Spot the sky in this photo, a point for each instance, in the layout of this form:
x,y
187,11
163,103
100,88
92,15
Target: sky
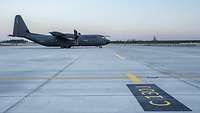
x,y
120,19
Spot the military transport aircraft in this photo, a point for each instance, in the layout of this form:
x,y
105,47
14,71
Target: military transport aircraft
x,y
62,40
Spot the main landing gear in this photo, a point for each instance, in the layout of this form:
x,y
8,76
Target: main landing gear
x,y
65,46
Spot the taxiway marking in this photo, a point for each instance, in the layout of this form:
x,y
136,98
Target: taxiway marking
x,y
134,78
120,57
131,76
64,78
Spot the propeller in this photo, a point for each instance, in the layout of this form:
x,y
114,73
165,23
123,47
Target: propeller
x,y
76,36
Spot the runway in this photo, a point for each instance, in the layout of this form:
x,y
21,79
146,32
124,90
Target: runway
x,y
36,79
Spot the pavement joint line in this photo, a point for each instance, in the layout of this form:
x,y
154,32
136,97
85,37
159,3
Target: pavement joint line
x,y
134,78
120,57
40,86
191,84
68,95
93,78
79,95
62,78
181,79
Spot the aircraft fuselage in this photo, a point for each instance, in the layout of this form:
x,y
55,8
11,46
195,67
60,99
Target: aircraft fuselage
x,y
84,40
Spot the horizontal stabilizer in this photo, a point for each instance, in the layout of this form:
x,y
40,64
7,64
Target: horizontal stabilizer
x,y
12,35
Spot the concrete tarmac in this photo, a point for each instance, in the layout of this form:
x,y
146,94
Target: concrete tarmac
x,y
94,80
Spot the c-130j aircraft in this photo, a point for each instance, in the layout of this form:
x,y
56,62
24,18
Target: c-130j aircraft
x,y
57,38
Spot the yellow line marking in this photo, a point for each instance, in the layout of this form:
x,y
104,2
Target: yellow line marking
x,y
120,57
64,78
133,78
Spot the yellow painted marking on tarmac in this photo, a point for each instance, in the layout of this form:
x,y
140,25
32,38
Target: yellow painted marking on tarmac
x,y
133,78
120,57
64,78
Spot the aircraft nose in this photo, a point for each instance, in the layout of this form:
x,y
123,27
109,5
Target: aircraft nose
x,y
108,41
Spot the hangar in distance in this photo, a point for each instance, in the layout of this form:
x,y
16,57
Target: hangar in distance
x,y
59,39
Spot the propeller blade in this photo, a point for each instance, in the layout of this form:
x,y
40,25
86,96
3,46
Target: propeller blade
x,y
75,32
76,36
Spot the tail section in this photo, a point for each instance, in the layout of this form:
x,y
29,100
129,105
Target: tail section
x,y
20,28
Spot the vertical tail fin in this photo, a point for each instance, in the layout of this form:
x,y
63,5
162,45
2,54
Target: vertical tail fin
x,y
20,28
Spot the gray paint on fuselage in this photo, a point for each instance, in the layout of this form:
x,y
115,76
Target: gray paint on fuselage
x,y
91,40
46,40
84,40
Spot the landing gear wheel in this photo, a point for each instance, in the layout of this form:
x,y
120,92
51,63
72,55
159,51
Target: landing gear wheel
x,y
65,46
100,47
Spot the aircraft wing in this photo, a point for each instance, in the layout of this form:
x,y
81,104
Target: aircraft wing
x,y
60,35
